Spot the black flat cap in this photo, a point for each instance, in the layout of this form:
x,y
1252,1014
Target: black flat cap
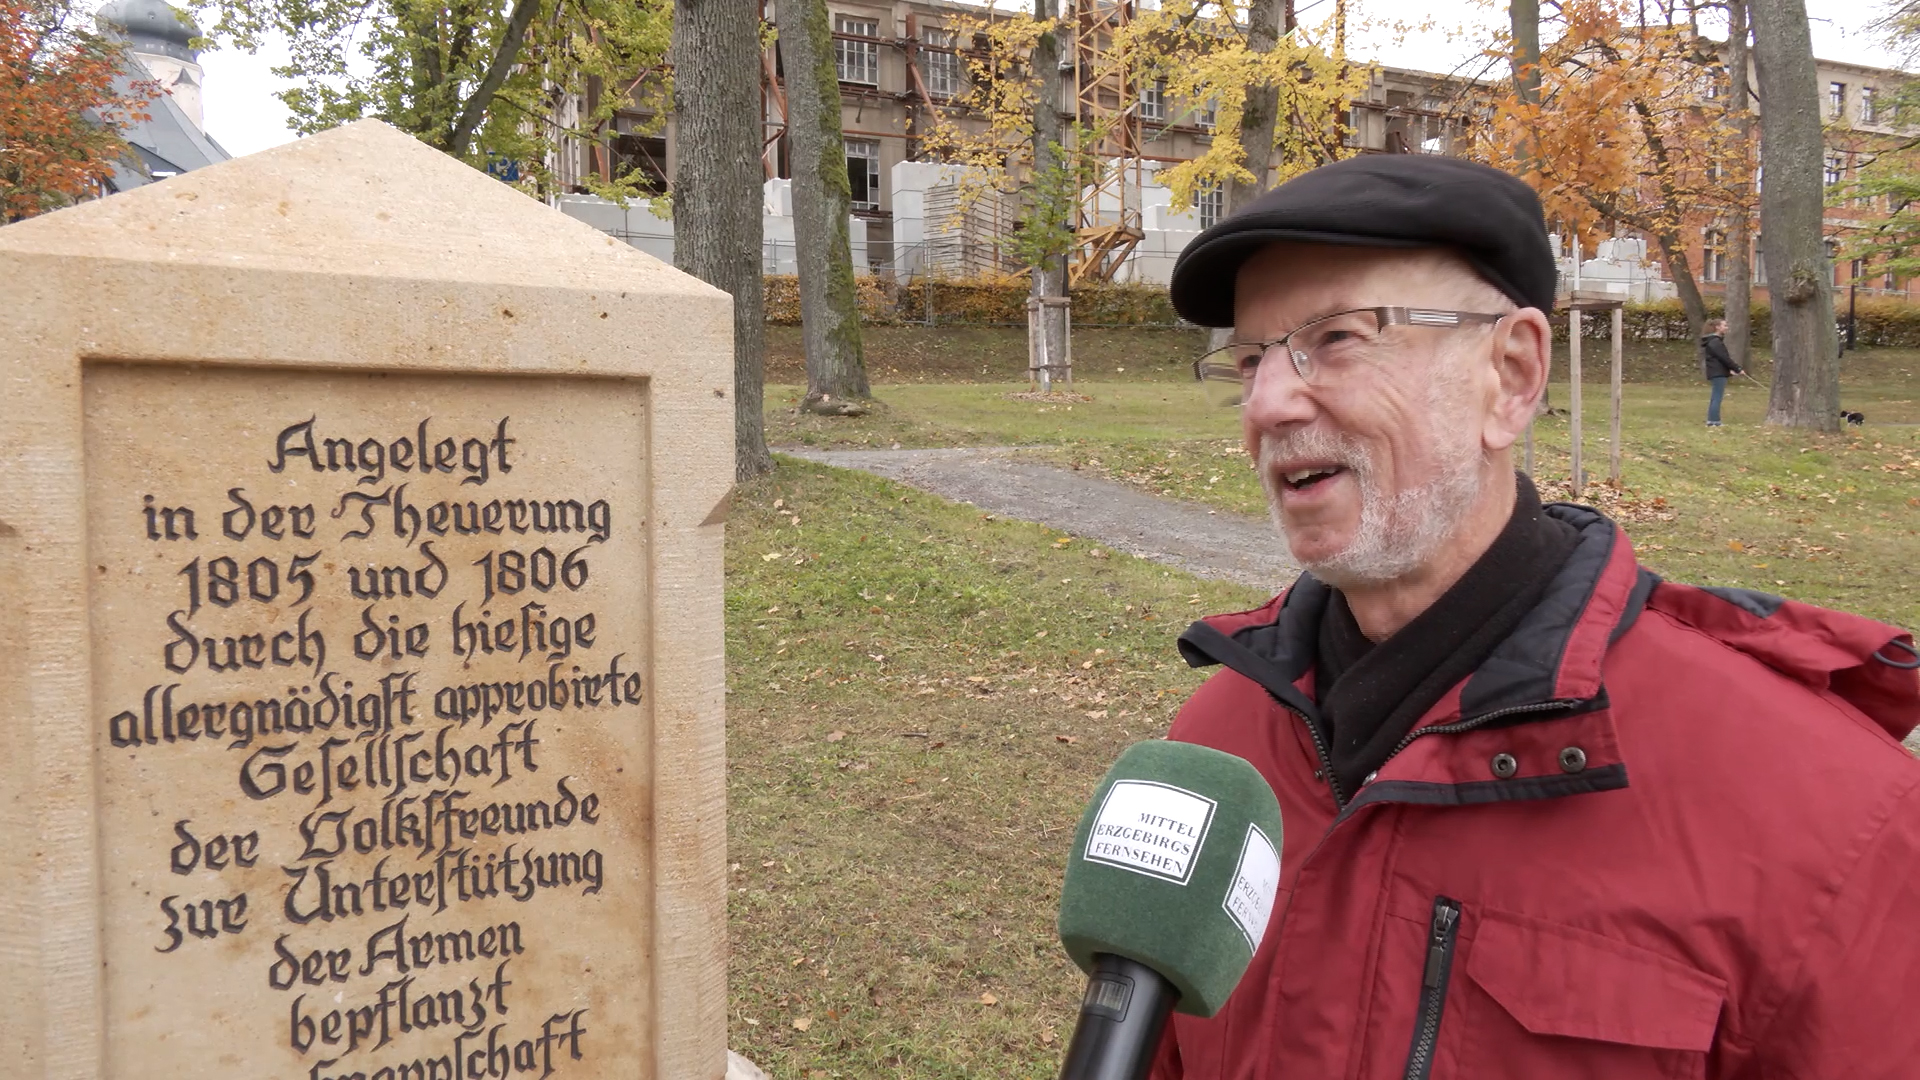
x,y
1380,200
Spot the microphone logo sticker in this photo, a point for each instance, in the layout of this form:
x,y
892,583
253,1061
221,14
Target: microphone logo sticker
x,y
1249,900
1150,828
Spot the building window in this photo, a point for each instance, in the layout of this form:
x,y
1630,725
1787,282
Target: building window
x,y
863,173
942,69
857,61
1890,283
1836,169
1869,108
1210,114
1153,101
1211,202
1760,260
643,154
1833,252
1713,256
1836,99
1857,271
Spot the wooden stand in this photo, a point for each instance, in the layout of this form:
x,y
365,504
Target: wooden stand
x,y
1584,301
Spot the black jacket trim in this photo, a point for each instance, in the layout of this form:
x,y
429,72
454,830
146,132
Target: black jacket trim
x,y
1203,644
1522,671
1525,667
1482,792
1759,604
1643,587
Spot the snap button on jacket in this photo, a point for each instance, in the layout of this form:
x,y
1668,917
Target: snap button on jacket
x,y
1662,832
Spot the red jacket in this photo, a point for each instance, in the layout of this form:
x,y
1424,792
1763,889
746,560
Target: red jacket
x,y
1663,831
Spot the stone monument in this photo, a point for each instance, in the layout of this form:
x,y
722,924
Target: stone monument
x,y
360,606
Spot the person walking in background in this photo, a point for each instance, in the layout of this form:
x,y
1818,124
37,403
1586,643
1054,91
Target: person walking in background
x,y
1716,363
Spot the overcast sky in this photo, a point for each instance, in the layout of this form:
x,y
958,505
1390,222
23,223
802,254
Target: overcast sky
x,y
243,114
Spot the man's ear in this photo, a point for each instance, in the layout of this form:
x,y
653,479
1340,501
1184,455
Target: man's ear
x,y
1522,344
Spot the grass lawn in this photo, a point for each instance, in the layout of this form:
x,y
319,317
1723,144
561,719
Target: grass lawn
x,y
921,697
920,700
1830,519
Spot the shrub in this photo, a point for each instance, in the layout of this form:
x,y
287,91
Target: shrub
x,y
1002,301
878,306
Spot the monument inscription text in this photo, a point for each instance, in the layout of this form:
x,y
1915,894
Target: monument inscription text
x,y
371,689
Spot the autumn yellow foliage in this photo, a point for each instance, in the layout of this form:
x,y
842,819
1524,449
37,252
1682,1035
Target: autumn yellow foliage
x,y
1631,131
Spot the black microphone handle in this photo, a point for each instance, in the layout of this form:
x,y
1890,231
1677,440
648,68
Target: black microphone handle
x,y
1121,1020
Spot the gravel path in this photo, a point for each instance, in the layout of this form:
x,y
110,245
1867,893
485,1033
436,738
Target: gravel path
x,y
1212,544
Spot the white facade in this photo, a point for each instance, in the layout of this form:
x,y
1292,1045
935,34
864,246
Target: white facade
x,y
637,224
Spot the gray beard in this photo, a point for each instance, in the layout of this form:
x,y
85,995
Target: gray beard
x,y
1398,533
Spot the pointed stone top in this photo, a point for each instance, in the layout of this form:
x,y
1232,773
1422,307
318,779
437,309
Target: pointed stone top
x,y
365,199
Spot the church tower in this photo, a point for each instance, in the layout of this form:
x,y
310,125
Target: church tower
x,y
161,37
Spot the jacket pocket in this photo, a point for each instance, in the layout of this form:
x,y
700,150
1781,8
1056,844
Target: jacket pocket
x,y
1542,1000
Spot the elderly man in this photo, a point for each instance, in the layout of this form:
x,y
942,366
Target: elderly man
x,y
1546,815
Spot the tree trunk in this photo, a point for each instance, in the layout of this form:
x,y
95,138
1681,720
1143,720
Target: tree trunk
x,y
822,199
1266,21
1680,272
716,191
1739,289
1049,278
504,58
1524,19
1806,358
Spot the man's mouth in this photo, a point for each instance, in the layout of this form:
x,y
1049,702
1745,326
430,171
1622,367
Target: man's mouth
x,y
1301,479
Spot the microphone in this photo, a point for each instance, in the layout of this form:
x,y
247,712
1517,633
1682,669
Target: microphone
x,y
1168,891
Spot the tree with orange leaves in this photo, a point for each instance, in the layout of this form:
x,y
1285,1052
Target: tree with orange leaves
x,y
1630,126
61,107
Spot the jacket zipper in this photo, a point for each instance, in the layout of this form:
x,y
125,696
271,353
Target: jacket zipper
x,y
1326,755
1441,935
1484,718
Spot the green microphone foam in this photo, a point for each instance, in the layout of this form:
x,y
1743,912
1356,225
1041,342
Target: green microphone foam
x,y
1175,865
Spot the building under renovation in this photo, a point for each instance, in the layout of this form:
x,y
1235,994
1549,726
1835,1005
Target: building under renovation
x,y
902,65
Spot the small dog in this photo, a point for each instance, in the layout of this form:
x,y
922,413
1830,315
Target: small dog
x,y
1854,418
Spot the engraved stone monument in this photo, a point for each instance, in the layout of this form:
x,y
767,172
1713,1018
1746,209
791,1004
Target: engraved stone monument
x,y
360,633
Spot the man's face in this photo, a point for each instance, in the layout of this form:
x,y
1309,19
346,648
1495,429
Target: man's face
x,y
1370,470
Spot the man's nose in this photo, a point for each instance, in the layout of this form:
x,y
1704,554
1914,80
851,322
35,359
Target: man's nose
x,y
1276,396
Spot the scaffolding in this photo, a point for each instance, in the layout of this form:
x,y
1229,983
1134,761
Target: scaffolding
x,y
1107,221
1099,96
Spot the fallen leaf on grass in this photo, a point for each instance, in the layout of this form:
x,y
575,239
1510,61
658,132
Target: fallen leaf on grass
x,y
1047,1037
1735,545
802,1023
1097,714
987,998
1068,739
836,736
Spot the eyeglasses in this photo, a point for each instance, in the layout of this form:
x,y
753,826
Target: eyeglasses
x,y
1320,350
